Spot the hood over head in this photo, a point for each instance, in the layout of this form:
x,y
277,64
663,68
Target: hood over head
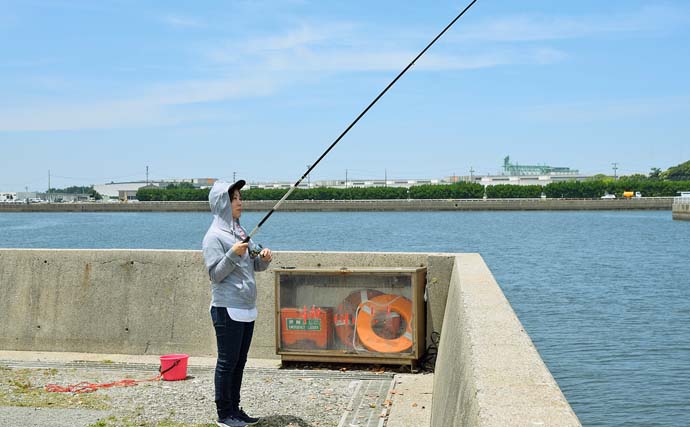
x,y
219,200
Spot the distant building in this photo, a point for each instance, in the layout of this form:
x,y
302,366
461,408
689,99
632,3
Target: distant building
x,y
128,190
26,195
65,197
531,170
527,180
516,174
112,189
8,197
127,195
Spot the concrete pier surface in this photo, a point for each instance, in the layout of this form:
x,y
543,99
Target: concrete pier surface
x,y
146,303
405,400
645,203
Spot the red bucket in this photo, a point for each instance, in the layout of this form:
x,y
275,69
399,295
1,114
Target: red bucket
x,y
174,367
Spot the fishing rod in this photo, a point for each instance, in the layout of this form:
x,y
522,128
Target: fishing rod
x,y
296,184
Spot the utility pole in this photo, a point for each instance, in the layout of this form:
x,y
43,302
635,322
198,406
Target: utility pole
x,y
233,176
615,168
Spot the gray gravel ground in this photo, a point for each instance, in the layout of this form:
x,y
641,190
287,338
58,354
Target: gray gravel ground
x,y
282,397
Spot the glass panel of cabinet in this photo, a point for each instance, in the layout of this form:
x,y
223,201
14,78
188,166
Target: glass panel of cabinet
x,y
352,315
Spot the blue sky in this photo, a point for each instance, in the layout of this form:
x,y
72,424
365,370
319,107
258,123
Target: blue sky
x,y
96,91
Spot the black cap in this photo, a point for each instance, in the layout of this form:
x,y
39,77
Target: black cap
x,y
236,186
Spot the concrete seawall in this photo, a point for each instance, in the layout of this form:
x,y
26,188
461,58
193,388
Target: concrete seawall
x,y
495,374
645,203
681,208
154,302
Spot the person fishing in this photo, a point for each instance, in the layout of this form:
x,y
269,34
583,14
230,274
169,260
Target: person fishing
x,y
231,269
231,259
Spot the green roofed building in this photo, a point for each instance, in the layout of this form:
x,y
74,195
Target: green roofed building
x,y
520,170
516,174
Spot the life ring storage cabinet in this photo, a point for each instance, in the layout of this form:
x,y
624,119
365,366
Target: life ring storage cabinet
x,y
353,315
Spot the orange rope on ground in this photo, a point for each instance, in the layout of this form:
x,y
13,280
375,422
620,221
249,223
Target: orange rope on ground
x,y
87,387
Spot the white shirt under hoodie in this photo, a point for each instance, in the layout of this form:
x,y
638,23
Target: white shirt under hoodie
x,y
232,276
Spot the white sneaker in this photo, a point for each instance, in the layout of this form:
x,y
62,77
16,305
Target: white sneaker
x,y
231,422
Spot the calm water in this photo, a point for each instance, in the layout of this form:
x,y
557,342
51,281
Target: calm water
x,y
604,295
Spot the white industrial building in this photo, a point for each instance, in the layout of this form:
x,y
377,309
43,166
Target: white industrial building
x,y
8,197
128,190
528,179
112,190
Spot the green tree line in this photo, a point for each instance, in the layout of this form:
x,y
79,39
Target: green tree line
x,y
594,189
568,189
321,193
149,194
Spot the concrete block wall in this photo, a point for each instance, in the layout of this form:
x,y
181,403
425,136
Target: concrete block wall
x,y
644,203
104,301
681,208
488,372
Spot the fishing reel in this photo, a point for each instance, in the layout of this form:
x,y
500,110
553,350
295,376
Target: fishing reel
x,y
254,249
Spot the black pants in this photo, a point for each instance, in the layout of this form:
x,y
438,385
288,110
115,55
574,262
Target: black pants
x,y
233,339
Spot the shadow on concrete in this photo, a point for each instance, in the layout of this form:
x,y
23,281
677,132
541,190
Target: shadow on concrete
x,y
345,367
282,421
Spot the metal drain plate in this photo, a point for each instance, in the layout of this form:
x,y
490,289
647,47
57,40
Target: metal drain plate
x,y
367,407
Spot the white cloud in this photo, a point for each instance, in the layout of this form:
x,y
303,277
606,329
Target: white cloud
x,y
274,58
493,58
295,39
526,27
182,21
271,62
304,37
157,107
197,91
73,117
340,48
396,61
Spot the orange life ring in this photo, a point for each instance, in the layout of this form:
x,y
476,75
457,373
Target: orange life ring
x,y
365,320
344,316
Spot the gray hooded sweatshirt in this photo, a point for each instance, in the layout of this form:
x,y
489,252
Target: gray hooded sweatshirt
x,y
232,276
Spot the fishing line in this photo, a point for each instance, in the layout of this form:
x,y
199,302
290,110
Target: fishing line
x,y
296,184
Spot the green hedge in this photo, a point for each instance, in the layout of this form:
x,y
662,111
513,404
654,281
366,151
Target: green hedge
x,y
568,189
461,190
325,193
508,191
596,189
172,194
186,194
